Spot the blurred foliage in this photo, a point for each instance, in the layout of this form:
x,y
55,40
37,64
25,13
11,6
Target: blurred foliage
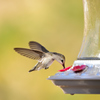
x,y
56,24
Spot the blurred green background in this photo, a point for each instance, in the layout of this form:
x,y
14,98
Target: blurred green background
x,y
56,24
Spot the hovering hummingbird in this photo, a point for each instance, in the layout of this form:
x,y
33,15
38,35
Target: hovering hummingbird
x,y
40,53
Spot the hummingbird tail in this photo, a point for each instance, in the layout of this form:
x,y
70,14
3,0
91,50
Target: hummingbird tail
x,y
36,67
33,69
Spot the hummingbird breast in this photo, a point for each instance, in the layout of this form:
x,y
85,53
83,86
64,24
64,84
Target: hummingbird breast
x,y
46,62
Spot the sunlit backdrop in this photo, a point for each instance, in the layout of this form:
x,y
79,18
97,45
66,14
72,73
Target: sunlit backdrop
x,y
56,24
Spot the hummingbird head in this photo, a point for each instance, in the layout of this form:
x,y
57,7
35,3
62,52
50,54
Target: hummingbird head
x,y
60,58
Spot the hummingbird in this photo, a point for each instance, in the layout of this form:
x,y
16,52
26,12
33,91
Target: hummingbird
x,y
40,53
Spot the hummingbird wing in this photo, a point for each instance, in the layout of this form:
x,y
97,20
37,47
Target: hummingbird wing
x,y
33,54
36,46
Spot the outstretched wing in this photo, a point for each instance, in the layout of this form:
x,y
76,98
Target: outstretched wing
x,y
33,54
36,46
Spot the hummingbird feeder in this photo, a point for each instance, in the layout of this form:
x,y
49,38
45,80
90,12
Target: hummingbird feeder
x,y
84,75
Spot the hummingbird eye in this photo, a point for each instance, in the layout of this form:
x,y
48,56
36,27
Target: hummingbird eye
x,y
62,61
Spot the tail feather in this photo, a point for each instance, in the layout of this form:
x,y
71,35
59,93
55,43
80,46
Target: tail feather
x,y
33,69
36,67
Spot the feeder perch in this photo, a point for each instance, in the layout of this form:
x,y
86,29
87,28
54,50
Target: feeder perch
x,y
87,80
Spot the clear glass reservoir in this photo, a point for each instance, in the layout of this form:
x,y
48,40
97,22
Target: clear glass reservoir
x,y
90,49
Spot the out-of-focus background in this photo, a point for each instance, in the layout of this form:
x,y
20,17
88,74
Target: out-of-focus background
x,y
56,24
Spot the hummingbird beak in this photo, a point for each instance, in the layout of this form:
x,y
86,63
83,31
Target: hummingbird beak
x,y
63,65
